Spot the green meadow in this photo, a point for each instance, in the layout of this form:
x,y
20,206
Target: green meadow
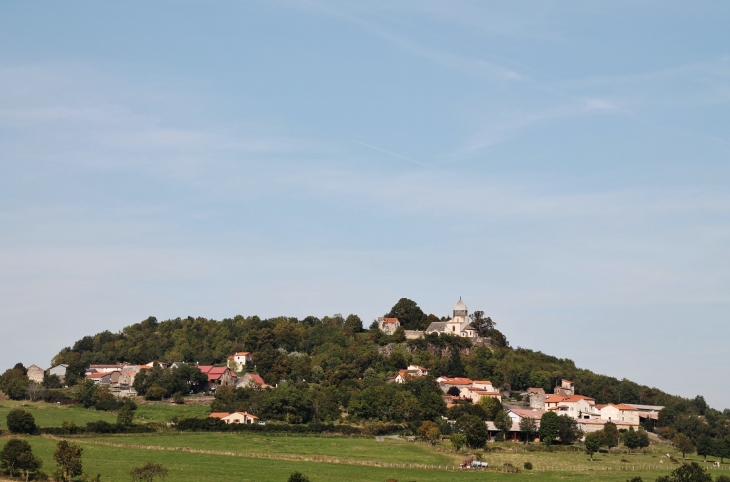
x,y
252,456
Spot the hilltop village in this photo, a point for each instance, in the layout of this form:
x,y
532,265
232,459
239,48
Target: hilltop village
x,y
451,381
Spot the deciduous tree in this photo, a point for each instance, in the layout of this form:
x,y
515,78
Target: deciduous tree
x,y
683,444
593,443
68,459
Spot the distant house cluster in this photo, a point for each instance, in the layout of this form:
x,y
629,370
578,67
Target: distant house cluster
x,y
120,377
459,389
459,325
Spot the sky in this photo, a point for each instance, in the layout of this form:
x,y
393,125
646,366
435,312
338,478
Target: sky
x,y
562,166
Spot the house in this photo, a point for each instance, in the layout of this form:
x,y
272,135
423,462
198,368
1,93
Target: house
x,y
537,398
124,384
459,325
240,359
620,413
517,414
59,371
596,424
388,325
515,433
648,412
127,367
566,388
100,378
480,389
574,406
163,365
459,382
421,370
35,373
218,376
251,380
236,417
103,368
177,364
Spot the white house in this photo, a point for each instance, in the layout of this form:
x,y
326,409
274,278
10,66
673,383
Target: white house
x,y
574,406
459,325
35,373
620,413
236,417
59,371
388,325
251,380
518,414
240,359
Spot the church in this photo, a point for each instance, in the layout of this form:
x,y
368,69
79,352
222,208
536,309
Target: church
x,y
459,325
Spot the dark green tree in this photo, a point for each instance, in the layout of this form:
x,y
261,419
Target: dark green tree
x,y
474,429
549,428
568,430
683,444
482,325
458,440
632,439
528,426
704,446
17,456
125,416
491,405
455,367
610,435
85,393
693,472
353,324
721,448
411,317
20,421
593,443
298,477
503,422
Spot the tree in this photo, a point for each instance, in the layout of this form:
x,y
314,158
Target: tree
x,y
298,477
85,392
721,448
481,325
14,382
491,405
458,441
410,316
643,438
474,429
34,391
155,392
528,426
17,456
68,459
125,416
455,367
503,422
568,430
429,432
20,421
610,435
693,472
704,446
632,440
148,472
399,335
593,443
353,324
549,428
683,444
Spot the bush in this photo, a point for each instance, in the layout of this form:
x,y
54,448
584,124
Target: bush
x,y
527,465
178,398
155,392
20,421
298,477
511,469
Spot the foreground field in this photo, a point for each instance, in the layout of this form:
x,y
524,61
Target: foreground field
x,y
51,415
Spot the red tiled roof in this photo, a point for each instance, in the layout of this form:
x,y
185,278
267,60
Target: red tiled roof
x,y
257,379
456,381
390,320
98,375
218,415
566,398
243,353
625,407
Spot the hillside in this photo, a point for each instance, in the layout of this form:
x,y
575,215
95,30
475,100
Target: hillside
x,y
293,349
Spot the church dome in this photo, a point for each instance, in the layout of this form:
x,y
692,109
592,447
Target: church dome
x,y
460,308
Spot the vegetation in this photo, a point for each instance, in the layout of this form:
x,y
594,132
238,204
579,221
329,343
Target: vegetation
x,y
20,421
149,472
68,460
17,457
592,443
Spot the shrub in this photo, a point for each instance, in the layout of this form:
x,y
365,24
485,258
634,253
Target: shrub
x,y
511,469
178,398
527,465
148,472
298,477
155,392
20,421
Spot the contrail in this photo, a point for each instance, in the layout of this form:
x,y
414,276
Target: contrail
x,y
391,153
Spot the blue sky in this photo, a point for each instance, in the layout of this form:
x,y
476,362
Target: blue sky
x,y
562,166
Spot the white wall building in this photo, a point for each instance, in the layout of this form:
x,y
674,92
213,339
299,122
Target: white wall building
x,y
459,325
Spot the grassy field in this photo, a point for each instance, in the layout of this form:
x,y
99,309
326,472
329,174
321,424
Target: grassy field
x,y
265,457
50,415
114,464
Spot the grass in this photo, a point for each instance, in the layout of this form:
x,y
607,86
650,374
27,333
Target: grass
x,y
51,415
163,413
342,448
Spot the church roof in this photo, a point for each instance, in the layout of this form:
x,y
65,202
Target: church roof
x,y
460,305
437,326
